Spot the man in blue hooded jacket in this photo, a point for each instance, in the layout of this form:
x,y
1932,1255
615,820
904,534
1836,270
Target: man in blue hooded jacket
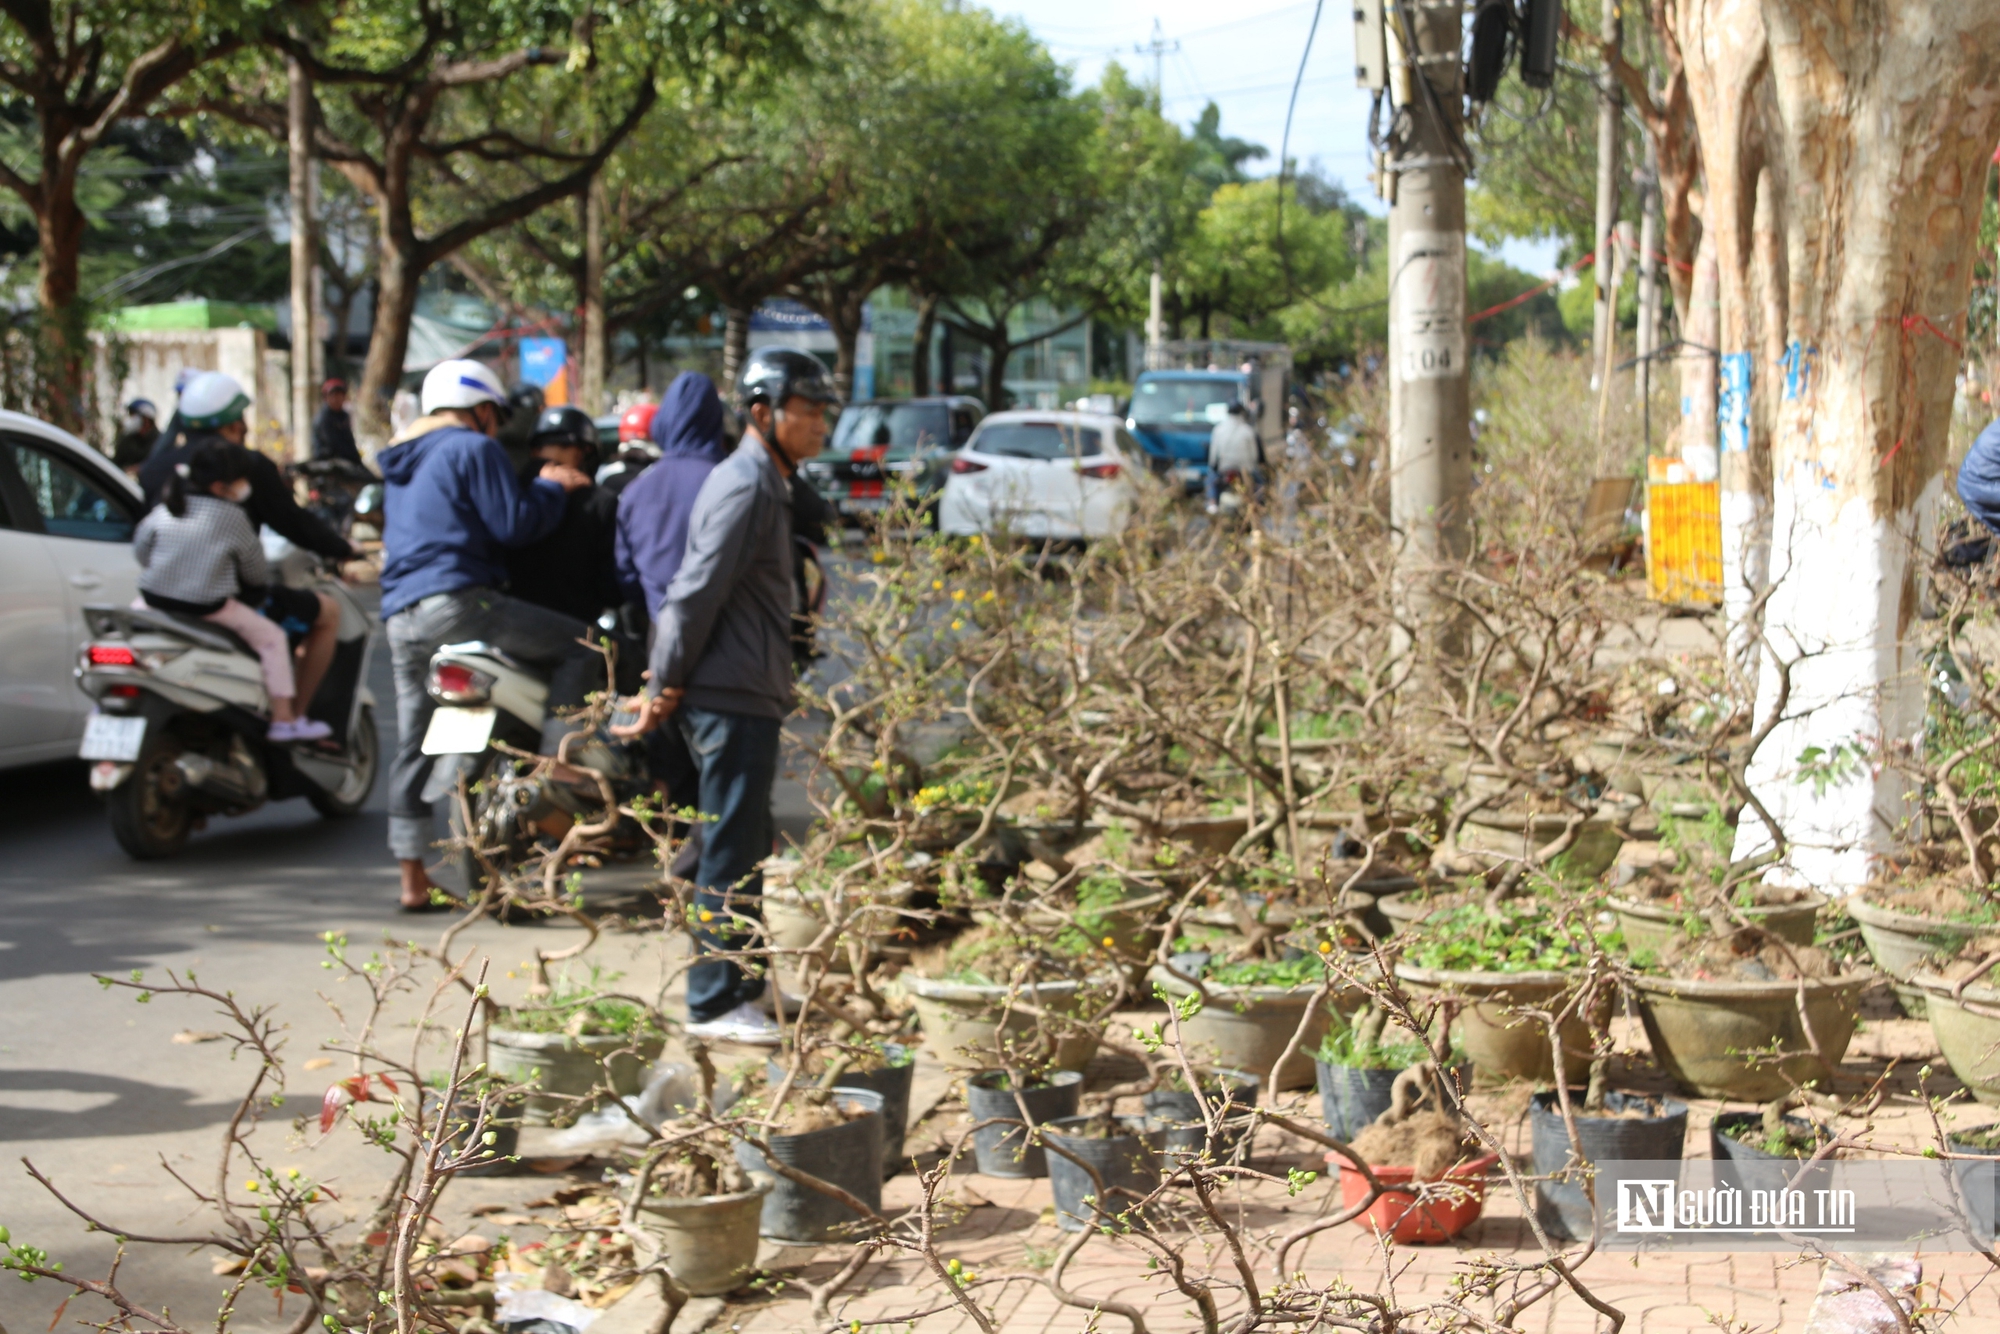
x,y
450,505
653,511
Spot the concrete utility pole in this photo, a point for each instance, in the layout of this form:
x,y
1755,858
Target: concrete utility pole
x,y
305,257
1159,48
1430,449
1155,323
1610,110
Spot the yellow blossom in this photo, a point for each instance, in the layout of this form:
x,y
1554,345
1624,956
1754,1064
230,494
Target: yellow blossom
x,y
1326,947
707,916
987,596
958,595
936,584
958,625
252,1186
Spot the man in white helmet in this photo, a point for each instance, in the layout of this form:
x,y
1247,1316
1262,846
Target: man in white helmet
x,y
451,505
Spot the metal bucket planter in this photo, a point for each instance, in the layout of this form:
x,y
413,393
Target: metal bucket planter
x,y
1563,1207
556,1063
1904,944
1248,1028
1968,1032
1128,1164
961,1020
1176,1113
1009,1151
848,1155
1648,926
710,1242
1503,1045
1700,1030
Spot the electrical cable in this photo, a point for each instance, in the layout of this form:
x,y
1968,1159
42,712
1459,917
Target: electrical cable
x,y
139,276
1284,151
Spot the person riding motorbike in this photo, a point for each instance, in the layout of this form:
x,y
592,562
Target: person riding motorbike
x,y
451,504
211,409
1234,455
572,569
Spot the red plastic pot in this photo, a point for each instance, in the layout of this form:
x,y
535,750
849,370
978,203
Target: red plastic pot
x,y
1400,1216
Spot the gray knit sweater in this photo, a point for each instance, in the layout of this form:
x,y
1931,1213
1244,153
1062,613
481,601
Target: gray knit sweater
x,y
204,557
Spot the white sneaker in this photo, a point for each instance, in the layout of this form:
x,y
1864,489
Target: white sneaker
x,y
300,729
746,1023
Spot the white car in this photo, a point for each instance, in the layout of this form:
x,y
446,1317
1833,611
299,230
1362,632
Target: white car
x,y
66,521
1061,475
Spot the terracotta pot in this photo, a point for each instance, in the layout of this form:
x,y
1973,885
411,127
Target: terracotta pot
x,y
1248,1028
961,1020
1648,926
710,1242
1699,1031
557,1063
1967,1030
1502,1045
1454,1205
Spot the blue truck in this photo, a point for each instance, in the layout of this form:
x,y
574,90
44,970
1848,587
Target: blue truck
x,y
1172,412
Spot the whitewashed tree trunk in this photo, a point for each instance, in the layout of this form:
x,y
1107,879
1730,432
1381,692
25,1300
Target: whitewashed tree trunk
x,y
1701,326
1881,119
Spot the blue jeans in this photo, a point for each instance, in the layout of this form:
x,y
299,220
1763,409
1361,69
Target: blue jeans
x,y
737,754
534,635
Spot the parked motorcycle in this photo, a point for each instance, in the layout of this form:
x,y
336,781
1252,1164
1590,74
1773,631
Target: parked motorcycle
x,y
486,696
179,732
334,489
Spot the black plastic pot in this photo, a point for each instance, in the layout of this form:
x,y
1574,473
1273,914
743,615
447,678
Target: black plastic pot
x,y
848,1155
1350,1098
1748,1168
892,1081
1128,1165
1006,1151
1177,1115
1563,1207
1979,1178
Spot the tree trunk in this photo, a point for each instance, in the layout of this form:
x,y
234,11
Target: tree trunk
x,y
998,352
1726,58
1882,123
590,299
305,252
382,370
1701,325
735,346
920,347
59,228
1610,124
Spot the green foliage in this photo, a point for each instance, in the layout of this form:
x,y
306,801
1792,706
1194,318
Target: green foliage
x,y
1268,973
1344,1045
1521,936
581,1010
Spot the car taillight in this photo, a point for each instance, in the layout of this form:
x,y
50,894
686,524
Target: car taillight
x,y
1099,470
455,683
963,466
112,655
123,692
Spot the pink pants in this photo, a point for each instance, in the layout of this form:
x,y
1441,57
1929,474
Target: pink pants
x,y
268,638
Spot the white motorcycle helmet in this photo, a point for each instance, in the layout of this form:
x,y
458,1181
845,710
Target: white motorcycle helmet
x,y
211,400
462,384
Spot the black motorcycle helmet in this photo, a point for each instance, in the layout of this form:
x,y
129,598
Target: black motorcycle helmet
x,y
775,375
568,426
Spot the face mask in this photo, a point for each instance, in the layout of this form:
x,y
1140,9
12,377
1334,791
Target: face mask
x,y
241,491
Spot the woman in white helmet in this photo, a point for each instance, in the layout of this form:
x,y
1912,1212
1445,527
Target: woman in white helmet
x,y
451,506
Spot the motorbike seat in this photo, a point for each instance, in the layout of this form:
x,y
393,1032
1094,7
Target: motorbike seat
x,y
206,633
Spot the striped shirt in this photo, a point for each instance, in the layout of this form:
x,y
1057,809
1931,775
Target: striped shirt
x,y
203,558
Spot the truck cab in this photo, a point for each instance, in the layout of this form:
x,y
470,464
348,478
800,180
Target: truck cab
x,y
1173,412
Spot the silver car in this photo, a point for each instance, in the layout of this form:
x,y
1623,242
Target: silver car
x,y
66,521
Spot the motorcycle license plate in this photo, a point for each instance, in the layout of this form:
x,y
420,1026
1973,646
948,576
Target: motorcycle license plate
x,y
458,731
109,738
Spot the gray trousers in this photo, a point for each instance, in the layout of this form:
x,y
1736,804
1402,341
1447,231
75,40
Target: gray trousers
x,y
533,635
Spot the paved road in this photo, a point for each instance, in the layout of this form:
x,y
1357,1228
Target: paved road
x,y
92,1086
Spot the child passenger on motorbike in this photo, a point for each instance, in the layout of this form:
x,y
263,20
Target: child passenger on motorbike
x,y
197,552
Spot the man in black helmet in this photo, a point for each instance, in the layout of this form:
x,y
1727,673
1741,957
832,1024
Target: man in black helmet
x,y
574,570
722,668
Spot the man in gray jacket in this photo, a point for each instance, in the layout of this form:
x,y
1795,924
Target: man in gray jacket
x,y
722,670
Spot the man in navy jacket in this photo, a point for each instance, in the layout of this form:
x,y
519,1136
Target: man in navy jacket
x,y
450,505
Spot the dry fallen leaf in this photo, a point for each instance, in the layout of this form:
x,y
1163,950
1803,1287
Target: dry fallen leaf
x,y
317,1063
228,1264
471,1244
516,1220
491,1207
187,1037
